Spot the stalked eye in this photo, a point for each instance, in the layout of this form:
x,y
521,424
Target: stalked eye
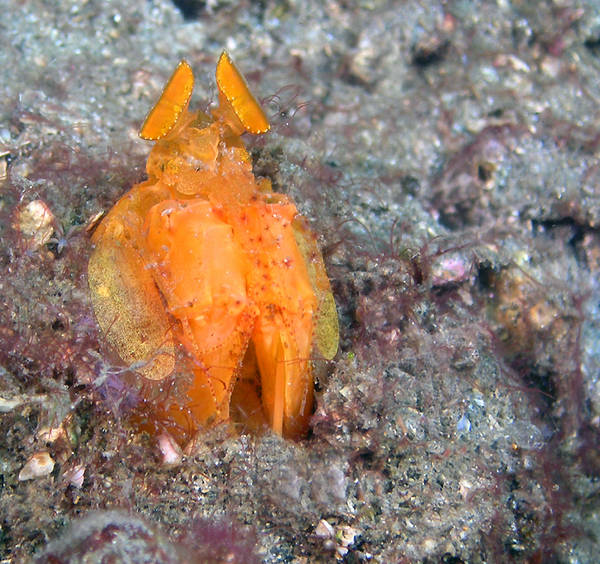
x,y
232,85
172,103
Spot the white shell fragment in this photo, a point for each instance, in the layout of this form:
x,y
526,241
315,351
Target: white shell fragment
x,y
169,449
75,475
337,539
3,164
324,530
40,464
50,434
7,405
36,223
346,535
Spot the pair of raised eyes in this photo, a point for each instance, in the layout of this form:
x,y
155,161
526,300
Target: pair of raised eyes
x,y
176,96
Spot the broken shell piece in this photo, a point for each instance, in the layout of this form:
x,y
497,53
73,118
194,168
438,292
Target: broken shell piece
x,y
50,434
74,475
93,221
324,530
3,164
336,539
7,405
346,535
35,222
169,449
40,464
450,269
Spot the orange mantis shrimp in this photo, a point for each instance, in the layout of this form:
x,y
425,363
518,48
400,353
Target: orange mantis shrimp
x,y
204,279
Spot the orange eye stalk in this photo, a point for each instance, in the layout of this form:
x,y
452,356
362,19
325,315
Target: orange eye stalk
x,y
233,87
206,282
172,103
